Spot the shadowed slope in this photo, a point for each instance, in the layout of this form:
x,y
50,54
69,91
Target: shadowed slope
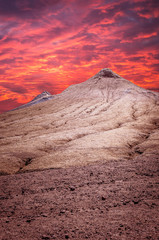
x,y
103,118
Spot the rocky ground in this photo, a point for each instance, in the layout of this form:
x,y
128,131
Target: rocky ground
x,y
113,200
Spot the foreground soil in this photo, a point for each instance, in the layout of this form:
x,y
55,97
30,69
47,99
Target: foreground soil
x,y
113,200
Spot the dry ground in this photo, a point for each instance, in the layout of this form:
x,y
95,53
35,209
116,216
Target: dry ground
x,y
114,200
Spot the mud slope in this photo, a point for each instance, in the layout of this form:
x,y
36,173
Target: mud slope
x,y
104,118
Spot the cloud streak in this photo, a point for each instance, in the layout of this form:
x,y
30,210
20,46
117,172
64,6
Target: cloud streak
x,y
48,45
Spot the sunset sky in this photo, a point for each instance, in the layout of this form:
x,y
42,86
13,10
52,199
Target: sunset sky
x,y
51,44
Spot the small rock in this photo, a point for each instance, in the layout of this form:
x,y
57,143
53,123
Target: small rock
x,y
72,188
46,238
62,211
28,221
135,201
23,191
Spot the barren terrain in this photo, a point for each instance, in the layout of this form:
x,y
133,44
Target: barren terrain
x,y
114,200
82,165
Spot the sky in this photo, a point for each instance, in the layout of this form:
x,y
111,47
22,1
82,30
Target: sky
x,y
47,45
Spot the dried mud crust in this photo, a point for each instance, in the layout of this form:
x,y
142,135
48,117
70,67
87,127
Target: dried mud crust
x,y
113,200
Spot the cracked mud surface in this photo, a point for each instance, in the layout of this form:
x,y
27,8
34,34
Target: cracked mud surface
x,y
114,200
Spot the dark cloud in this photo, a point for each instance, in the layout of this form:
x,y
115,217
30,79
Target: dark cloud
x,y
139,78
53,62
9,61
55,32
107,49
121,7
6,26
2,71
155,66
8,104
156,56
122,67
91,37
90,57
33,77
14,87
133,47
88,3
5,50
61,51
146,26
89,47
6,61
134,59
147,6
86,36
28,8
47,86
128,14
95,16
8,39
130,9
30,40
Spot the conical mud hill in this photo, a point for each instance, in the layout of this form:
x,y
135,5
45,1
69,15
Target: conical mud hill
x,y
106,85
103,119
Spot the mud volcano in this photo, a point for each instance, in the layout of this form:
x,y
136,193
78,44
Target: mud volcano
x,y
82,164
